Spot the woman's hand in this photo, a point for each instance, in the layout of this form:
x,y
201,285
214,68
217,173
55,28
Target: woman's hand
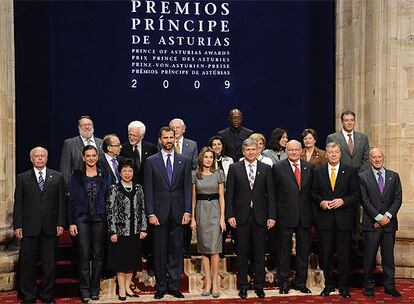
x,y
142,235
222,224
114,238
73,230
193,224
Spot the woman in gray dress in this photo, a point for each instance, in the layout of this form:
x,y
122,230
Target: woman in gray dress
x,y
208,217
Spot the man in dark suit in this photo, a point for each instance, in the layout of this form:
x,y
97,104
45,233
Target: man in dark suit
x,y
137,149
335,191
293,185
354,152
109,160
71,158
184,146
38,218
250,209
381,199
167,188
234,135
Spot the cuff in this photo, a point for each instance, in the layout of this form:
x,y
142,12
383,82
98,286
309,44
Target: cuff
x,y
388,214
379,217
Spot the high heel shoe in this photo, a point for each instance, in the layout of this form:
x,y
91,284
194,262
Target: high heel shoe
x,y
205,293
122,298
215,294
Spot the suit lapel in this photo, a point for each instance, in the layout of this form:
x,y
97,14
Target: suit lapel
x,y
161,166
388,178
289,171
32,177
79,144
176,168
184,148
244,174
344,143
325,176
48,179
304,174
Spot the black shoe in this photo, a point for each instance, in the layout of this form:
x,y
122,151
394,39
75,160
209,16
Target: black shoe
x,y
48,301
121,298
95,298
176,294
243,293
303,289
327,291
159,294
344,293
260,293
393,292
85,300
284,290
369,292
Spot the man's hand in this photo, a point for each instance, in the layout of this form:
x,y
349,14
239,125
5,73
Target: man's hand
x,y
376,225
336,203
384,221
142,235
186,218
153,220
325,205
114,238
73,229
270,223
232,222
18,233
59,230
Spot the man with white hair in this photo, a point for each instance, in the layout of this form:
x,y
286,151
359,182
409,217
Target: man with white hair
x,y
184,146
137,149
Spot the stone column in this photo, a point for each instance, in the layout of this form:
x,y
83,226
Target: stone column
x,y
7,144
375,79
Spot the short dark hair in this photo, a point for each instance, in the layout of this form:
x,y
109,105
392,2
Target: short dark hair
x,y
165,129
347,113
217,137
107,142
84,116
310,131
275,137
87,148
126,162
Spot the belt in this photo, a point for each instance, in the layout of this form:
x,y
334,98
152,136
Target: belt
x,y
208,197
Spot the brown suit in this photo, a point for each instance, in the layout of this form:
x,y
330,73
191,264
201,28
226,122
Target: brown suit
x,y
317,157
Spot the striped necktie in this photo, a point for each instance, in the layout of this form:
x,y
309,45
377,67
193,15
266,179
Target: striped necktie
x,y
41,181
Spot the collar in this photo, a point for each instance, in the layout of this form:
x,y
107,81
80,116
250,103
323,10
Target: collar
x,y
84,139
292,164
164,154
375,171
345,133
336,168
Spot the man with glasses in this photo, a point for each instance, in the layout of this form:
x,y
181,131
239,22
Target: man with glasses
x,y
109,161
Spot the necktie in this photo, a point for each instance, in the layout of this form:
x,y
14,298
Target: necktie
x,y
88,141
350,143
251,176
41,181
333,178
297,174
177,147
381,183
169,168
137,156
115,167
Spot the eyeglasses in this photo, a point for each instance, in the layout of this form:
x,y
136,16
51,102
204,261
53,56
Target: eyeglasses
x,y
117,145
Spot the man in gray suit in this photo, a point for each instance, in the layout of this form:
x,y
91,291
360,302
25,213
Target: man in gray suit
x,y
184,146
71,158
381,199
354,145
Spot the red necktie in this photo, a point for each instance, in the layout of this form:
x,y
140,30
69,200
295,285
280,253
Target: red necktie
x,y
297,174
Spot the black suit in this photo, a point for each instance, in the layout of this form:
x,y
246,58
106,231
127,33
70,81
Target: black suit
x,y
233,141
168,203
335,225
251,221
104,165
38,213
147,149
373,204
294,214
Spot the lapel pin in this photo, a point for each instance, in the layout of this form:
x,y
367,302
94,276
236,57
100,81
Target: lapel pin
x,y
179,161
258,172
304,168
343,172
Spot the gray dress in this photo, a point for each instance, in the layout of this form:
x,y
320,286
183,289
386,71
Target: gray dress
x,y
209,238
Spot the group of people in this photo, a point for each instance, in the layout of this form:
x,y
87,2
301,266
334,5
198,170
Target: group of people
x,y
120,200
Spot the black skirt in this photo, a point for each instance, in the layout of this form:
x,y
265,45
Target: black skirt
x,y
124,255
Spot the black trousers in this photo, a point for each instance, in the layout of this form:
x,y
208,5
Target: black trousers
x,y
372,241
284,249
168,252
328,240
91,256
33,247
251,242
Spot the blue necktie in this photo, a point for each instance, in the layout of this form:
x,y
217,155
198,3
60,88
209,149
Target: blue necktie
x,y
381,183
169,169
41,181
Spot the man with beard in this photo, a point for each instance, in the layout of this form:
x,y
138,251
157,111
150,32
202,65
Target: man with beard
x,y
167,188
71,158
234,135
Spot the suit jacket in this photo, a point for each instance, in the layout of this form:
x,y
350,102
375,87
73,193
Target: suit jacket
x,y
118,211
239,194
104,165
147,149
294,206
317,157
359,159
160,196
346,188
35,210
273,156
225,162
233,141
71,158
190,150
374,203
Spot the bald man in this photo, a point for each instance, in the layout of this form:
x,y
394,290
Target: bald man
x,y
38,219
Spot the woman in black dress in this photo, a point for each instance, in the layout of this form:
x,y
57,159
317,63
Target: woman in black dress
x,y
127,225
